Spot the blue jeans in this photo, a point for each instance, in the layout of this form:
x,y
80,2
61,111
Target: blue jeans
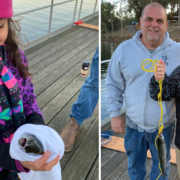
x,y
136,145
89,93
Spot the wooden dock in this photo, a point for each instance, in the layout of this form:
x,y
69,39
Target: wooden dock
x,y
114,163
55,65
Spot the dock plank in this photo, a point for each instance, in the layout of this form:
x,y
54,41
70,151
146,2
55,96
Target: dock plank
x,y
54,53
79,140
173,173
94,173
55,65
53,72
118,171
107,155
32,51
64,81
48,67
50,46
51,109
110,165
125,176
148,167
177,178
82,158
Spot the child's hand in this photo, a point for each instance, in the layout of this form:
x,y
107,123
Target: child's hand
x,y
40,164
160,71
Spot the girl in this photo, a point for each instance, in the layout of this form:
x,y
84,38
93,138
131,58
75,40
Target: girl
x,y
18,104
170,90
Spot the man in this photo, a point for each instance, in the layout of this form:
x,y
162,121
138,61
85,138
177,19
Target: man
x,y
126,76
84,106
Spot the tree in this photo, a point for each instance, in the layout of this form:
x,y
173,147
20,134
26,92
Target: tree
x,y
108,19
120,13
173,4
138,5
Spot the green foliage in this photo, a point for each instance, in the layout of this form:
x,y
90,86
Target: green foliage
x,y
127,20
175,13
111,20
138,5
108,18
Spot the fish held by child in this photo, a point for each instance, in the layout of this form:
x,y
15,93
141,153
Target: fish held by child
x,y
30,144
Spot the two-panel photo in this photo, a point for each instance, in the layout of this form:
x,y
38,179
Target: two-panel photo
x,y
89,90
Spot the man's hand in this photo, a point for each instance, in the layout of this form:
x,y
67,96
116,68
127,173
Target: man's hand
x,y
160,71
40,164
117,124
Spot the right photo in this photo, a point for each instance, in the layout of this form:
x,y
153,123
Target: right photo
x,y
49,90
140,90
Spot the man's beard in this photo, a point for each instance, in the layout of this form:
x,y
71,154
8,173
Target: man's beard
x,y
154,38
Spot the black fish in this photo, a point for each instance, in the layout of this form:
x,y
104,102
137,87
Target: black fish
x,y
162,153
30,144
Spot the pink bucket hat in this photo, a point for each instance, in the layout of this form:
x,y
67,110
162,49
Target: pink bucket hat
x,y
6,10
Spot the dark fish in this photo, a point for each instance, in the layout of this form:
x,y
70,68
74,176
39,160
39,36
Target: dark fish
x,y
162,153
30,144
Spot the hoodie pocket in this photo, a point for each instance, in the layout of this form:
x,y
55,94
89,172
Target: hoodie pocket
x,y
165,110
171,109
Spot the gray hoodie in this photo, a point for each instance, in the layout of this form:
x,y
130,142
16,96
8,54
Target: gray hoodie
x,y
126,76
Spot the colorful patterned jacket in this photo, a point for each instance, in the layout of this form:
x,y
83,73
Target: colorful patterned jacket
x,y
31,110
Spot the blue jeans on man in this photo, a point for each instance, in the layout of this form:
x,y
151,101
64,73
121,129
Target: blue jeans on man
x,y
89,93
136,145
85,104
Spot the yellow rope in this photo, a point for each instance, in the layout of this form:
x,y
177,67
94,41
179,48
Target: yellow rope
x,y
153,68
160,173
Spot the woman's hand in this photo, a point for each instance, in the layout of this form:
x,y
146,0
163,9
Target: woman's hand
x,y
160,71
40,164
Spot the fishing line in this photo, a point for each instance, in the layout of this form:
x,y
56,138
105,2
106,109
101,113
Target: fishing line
x,y
153,68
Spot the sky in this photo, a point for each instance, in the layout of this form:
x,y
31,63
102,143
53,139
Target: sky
x,y
111,1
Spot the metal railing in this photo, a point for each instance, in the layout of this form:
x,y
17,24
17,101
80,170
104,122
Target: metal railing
x,y
105,61
102,62
51,34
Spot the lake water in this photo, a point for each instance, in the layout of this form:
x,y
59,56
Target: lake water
x,y
107,49
36,24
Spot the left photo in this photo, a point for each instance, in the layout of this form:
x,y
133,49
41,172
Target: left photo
x,y
49,90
